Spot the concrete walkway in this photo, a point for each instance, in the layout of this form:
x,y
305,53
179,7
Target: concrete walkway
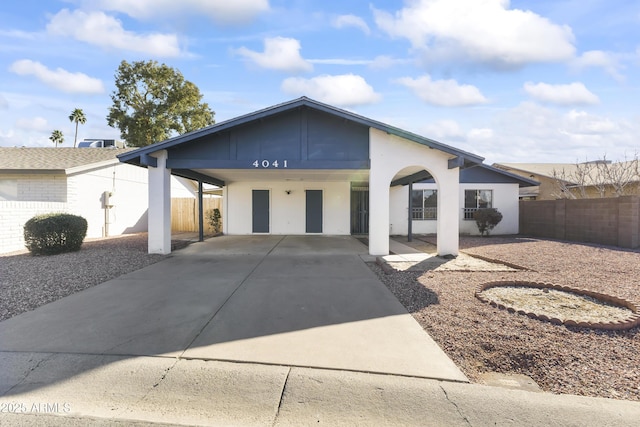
x,y
248,330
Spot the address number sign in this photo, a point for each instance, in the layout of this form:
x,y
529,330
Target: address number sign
x,y
269,164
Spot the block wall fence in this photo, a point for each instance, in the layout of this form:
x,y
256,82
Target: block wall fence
x,y
609,221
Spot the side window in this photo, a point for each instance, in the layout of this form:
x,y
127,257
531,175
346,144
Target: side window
x,y
476,199
485,199
8,189
425,204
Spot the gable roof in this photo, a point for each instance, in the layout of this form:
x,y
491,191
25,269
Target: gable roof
x,y
136,155
489,174
486,174
56,160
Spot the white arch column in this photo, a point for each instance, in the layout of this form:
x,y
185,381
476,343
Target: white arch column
x,y
159,215
389,155
448,212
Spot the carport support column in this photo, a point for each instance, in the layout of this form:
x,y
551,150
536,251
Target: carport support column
x,y
159,218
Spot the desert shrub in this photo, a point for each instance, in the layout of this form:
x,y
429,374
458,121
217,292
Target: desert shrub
x,y
54,233
486,219
215,219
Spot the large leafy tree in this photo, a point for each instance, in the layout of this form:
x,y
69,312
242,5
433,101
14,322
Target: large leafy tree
x,y
153,102
57,137
77,116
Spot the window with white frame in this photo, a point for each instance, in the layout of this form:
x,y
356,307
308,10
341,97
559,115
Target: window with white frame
x,y
8,189
476,199
424,204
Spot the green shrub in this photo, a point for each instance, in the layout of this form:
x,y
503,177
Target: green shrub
x,y
215,219
486,219
54,233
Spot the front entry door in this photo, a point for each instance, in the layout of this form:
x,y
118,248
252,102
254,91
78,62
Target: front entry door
x,y
360,209
314,211
260,206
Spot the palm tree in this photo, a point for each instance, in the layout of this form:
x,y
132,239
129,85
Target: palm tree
x,y
77,116
57,137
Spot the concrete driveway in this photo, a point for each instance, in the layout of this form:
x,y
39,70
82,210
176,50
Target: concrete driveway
x,y
303,301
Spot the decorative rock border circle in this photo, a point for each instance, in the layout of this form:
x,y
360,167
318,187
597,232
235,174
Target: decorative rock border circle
x,y
632,321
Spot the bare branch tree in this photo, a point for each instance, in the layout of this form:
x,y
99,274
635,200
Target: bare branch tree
x,y
573,184
621,175
603,176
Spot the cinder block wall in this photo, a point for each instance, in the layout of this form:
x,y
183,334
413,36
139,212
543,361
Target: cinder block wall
x,y
609,221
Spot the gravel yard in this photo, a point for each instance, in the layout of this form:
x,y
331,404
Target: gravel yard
x,y
27,282
480,338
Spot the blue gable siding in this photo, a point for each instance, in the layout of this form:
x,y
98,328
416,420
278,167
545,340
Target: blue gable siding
x,y
303,137
276,138
333,138
484,174
209,147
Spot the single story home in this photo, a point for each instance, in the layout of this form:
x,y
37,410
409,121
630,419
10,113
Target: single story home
x,y
305,167
90,182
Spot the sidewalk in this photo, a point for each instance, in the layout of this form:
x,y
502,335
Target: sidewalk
x,y
144,390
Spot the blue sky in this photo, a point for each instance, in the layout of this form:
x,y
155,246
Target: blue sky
x,y
513,81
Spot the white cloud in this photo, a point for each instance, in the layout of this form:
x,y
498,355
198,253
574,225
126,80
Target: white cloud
x,y
343,90
480,134
280,53
220,11
100,29
583,123
38,124
59,78
599,59
443,130
4,104
343,21
480,31
445,93
569,94
531,132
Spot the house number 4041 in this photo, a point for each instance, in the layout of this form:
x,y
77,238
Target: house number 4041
x,y
269,164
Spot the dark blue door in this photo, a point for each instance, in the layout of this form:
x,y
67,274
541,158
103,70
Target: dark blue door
x,y
314,211
260,206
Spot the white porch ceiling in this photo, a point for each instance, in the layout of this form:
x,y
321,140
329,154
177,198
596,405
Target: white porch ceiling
x,y
312,175
315,175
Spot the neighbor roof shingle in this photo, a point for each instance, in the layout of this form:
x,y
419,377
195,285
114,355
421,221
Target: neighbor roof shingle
x,y
60,159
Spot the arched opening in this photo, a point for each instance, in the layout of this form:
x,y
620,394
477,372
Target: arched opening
x,y
396,162
413,202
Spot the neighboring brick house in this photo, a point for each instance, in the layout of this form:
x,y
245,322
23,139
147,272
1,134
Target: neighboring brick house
x,y
36,180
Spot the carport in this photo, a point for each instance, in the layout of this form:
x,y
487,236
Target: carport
x,y
301,168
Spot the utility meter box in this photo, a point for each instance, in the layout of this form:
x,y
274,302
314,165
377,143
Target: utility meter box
x,y
108,199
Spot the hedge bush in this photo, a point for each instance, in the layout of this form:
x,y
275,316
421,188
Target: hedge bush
x,y
54,233
487,219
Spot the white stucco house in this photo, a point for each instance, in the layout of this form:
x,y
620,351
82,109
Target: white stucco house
x,y
304,167
90,182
